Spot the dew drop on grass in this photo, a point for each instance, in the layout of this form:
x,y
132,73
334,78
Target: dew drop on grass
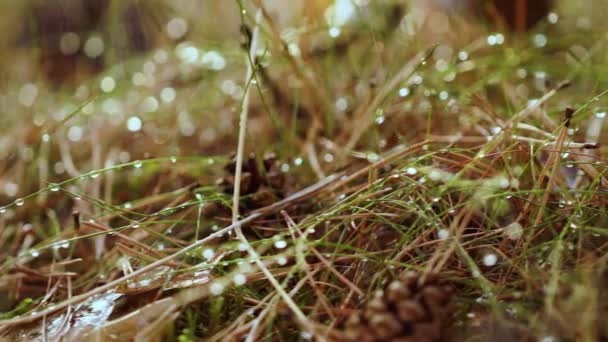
x,y
19,202
411,171
298,161
490,259
61,244
55,187
443,234
173,160
138,164
208,253
334,32
514,231
239,279
600,115
134,124
242,247
34,253
94,175
540,40
216,288
552,17
282,260
280,244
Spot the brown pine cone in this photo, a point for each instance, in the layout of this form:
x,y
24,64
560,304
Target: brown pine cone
x,y
409,309
263,184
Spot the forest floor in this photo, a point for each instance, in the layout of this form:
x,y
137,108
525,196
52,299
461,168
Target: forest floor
x,y
401,178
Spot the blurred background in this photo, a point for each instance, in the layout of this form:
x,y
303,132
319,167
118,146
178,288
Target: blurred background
x,y
88,83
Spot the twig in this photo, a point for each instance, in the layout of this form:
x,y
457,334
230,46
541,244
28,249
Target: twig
x,y
237,180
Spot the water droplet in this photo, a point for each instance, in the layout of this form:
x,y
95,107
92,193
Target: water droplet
x,y
19,202
434,175
552,17
134,124
514,231
208,253
75,133
403,92
411,171
94,175
69,43
280,244
491,39
242,247
443,234
341,104
34,253
27,94
334,32
61,244
135,226
463,55
107,84
281,260
600,115
490,259
214,60
138,164
540,40
55,187
216,288
328,157
372,157
93,47
239,279
177,28
298,161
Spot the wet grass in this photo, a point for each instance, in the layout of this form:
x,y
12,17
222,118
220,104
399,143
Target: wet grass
x,y
394,147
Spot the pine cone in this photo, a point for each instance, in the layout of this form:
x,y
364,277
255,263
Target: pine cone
x,y
407,310
264,184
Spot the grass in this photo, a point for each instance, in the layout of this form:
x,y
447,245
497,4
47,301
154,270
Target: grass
x,y
395,148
